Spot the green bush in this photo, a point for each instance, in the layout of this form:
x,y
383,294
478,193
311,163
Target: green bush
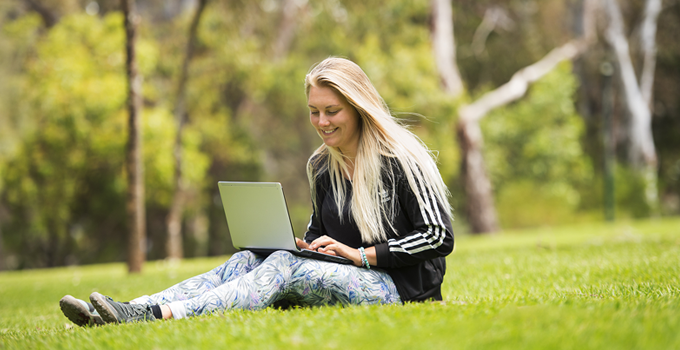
x,y
525,204
534,155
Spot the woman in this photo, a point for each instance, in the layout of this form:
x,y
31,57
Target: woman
x,y
378,200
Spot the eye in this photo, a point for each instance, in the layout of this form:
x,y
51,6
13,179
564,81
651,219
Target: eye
x,y
314,112
333,112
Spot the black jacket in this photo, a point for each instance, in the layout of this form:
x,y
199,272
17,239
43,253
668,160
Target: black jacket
x,y
414,252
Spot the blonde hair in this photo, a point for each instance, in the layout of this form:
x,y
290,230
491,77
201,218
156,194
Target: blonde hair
x,y
381,135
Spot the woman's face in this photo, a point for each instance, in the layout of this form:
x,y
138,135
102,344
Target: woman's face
x,y
335,120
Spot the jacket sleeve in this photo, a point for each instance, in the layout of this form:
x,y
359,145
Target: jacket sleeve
x,y
315,225
431,235
313,228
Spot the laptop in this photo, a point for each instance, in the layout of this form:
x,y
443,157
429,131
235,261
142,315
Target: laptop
x,y
258,220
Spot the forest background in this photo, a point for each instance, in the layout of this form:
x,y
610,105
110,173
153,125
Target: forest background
x,y
63,116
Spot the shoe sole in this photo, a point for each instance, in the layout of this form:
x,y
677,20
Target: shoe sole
x,y
107,313
76,313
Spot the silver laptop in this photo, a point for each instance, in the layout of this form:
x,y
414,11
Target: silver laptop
x,y
258,219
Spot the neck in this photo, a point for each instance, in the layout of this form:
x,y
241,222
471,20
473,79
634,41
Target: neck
x,y
349,162
348,153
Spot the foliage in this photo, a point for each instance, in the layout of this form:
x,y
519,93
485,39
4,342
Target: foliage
x,y
72,137
587,286
16,41
629,194
75,146
534,155
63,117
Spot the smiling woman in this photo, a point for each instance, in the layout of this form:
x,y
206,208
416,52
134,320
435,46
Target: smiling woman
x,y
336,121
379,201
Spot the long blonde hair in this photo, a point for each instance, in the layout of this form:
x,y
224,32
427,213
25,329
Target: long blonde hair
x,y
381,136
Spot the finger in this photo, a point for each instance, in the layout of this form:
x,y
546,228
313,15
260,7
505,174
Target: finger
x,y
328,251
301,244
338,248
320,242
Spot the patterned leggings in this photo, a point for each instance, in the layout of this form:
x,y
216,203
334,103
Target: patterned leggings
x,y
248,281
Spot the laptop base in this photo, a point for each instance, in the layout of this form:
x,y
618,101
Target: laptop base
x,y
305,253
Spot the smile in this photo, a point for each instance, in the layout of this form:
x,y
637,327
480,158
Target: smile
x,y
327,132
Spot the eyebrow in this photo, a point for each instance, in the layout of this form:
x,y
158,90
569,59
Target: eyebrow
x,y
329,106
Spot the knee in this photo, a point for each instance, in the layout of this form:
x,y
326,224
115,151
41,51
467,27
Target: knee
x,y
237,259
281,255
309,269
244,255
281,261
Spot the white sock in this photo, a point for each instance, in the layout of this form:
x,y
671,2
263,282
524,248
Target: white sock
x,y
178,309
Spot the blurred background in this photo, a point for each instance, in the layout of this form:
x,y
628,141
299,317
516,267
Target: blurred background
x,y
574,147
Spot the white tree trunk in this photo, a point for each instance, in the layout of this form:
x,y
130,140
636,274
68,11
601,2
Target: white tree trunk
x,y
444,47
642,150
648,46
286,29
590,10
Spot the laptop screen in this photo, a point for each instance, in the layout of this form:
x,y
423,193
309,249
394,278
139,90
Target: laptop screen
x,y
257,215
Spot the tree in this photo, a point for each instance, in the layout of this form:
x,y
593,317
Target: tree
x,y
49,17
642,152
174,218
480,206
134,163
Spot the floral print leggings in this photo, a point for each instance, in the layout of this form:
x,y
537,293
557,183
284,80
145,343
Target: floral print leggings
x,y
249,281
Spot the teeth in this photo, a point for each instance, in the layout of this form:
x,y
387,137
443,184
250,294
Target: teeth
x,y
328,131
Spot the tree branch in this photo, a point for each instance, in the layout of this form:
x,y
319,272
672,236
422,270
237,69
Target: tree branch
x,y
494,17
519,83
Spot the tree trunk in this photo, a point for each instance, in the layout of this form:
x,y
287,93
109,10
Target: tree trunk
x,y
584,13
134,162
642,152
48,16
174,249
444,47
2,249
481,211
286,29
648,46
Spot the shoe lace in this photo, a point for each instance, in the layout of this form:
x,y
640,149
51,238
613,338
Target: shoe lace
x,y
135,310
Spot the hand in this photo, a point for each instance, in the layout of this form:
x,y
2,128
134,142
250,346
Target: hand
x,y
301,244
327,245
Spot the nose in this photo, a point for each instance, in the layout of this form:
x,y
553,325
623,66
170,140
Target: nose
x,y
323,120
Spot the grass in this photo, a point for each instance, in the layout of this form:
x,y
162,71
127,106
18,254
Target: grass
x,y
598,286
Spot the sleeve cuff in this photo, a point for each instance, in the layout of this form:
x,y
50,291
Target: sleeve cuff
x,y
382,254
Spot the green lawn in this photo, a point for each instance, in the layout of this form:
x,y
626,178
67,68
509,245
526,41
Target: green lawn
x,y
580,287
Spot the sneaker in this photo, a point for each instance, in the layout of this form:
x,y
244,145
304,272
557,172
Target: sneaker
x,y
80,312
117,312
